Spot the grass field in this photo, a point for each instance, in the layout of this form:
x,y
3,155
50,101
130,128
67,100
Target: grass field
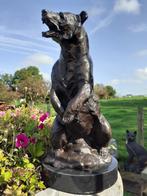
x,y
122,115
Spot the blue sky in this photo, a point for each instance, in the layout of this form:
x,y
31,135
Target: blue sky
x,y
117,31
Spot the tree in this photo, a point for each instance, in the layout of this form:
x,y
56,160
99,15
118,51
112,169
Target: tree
x,y
24,73
104,92
25,83
33,89
100,91
111,92
6,94
6,79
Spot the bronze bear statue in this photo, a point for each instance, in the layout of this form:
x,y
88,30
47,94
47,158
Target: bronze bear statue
x,y
72,96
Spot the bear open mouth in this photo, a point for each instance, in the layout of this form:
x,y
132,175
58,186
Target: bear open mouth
x,y
53,27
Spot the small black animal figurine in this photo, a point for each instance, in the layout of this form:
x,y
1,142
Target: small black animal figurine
x,y
137,159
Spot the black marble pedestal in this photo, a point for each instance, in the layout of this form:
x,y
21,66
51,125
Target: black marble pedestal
x,y
80,182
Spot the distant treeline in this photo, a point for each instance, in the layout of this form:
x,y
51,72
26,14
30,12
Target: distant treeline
x,y
28,84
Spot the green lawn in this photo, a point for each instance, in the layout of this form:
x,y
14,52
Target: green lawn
x,y
122,115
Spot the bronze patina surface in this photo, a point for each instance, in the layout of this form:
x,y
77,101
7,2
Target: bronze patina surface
x,y
80,131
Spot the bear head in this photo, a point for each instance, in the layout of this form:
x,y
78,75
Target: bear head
x,y
62,25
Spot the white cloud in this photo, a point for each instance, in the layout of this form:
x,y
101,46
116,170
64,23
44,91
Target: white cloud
x,y
142,73
2,28
138,28
38,59
13,50
46,76
103,23
24,41
18,48
139,76
99,15
135,83
142,53
116,82
24,45
26,34
96,11
128,6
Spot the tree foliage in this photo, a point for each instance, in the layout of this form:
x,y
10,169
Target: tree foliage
x,y
6,79
6,94
25,73
33,89
110,91
104,92
27,82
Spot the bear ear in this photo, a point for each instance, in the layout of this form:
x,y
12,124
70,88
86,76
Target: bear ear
x,y
83,15
61,15
127,131
135,132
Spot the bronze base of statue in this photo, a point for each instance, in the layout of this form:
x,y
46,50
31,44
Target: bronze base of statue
x,y
77,181
78,155
79,169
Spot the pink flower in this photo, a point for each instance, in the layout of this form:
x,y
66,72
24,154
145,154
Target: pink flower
x,y
17,112
13,114
32,140
2,113
21,141
44,116
34,117
41,126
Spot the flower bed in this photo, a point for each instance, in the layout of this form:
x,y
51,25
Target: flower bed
x,y
24,137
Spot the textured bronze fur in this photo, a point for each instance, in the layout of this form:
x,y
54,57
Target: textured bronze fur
x,y
78,114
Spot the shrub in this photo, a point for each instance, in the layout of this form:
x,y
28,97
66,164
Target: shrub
x,y
24,138
18,176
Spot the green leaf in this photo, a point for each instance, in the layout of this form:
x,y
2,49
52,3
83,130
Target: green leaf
x,y
33,180
8,191
32,188
41,185
1,155
39,149
30,166
26,161
7,176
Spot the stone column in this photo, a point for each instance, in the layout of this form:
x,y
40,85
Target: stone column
x,y
114,190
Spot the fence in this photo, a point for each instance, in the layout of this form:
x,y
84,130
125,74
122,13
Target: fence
x,y
140,122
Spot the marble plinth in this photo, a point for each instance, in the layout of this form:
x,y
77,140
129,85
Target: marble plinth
x,y
80,182
115,190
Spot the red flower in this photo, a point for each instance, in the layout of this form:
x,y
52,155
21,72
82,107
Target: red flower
x,y
44,116
21,141
41,126
32,140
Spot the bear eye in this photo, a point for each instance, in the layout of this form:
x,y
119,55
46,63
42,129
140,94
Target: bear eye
x,y
61,15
